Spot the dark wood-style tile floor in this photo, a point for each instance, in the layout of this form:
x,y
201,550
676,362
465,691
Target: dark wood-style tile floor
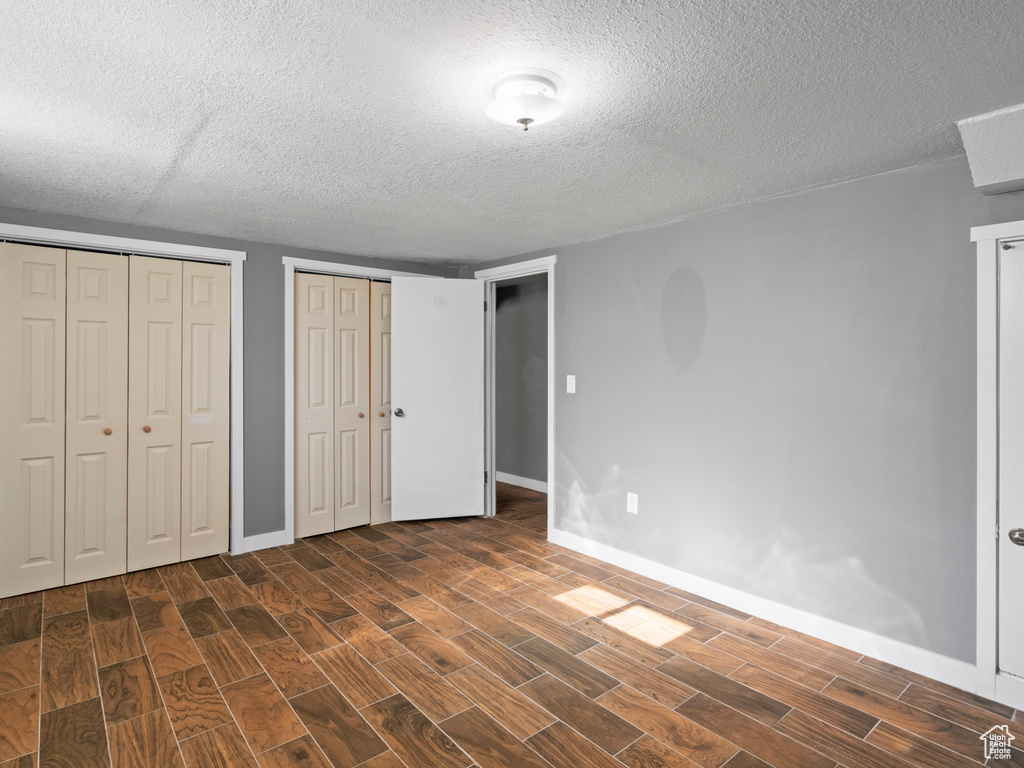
x,y
447,644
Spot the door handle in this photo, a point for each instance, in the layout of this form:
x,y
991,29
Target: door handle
x,y
147,428
399,412
361,415
381,414
108,431
1017,536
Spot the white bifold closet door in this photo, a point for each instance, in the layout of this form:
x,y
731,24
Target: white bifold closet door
x,y
314,404
114,437
32,336
178,411
205,409
96,511
351,402
380,402
154,414
332,397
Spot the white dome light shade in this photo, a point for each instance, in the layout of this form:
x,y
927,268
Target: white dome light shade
x,y
525,97
534,107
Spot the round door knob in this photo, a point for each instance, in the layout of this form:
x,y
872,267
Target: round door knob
x,y
147,428
1017,536
108,431
361,415
381,414
399,412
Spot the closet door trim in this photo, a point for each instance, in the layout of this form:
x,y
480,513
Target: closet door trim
x,y
236,259
287,536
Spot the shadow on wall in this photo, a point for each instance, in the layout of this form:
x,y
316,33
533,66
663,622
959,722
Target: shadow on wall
x,y
774,564
684,318
835,587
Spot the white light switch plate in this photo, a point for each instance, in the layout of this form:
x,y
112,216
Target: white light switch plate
x,y
632,503
570,384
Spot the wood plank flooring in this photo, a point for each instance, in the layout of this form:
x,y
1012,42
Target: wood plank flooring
x,y
469,643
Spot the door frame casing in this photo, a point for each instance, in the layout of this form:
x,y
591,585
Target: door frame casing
x,y
492,276
990,683
59,238
291,264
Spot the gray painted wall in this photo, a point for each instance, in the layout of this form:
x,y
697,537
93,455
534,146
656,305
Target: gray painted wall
x,y
521,377
263,302
790,388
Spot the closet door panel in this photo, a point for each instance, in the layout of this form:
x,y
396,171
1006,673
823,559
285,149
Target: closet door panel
x,y
314,405
205,405
154,413
32,391
97,416
380,402
351,402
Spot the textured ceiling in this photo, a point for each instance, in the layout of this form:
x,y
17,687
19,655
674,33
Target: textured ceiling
x,y
358,126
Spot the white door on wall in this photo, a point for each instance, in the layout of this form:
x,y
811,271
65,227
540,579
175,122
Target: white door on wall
x,y
1011,459
437,394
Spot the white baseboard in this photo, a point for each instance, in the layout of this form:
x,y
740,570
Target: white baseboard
x,y
1010,691
936,666
522,482
265,540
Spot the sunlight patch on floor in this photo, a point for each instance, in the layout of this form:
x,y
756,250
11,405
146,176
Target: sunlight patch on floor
x,y
651,626
592,600
624,620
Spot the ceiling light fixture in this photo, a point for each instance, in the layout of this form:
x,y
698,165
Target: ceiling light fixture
x,y
525,97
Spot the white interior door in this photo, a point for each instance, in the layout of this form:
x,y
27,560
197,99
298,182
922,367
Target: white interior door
x,y
1011,458
437,390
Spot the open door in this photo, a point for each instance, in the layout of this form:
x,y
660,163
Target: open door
x,y
1011,455
437,395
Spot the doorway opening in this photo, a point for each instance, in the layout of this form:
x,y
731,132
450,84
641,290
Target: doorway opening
x,y
520,395
520,391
